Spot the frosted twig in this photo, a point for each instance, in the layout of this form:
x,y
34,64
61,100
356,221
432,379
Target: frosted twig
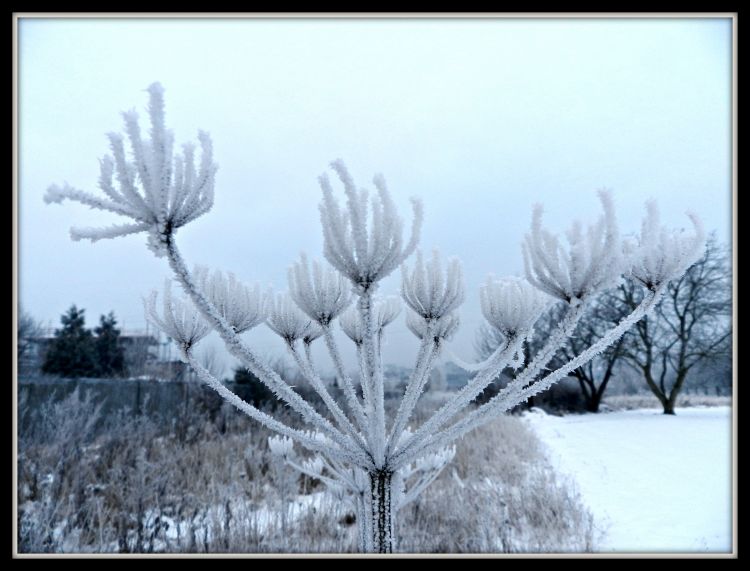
x,y
266,420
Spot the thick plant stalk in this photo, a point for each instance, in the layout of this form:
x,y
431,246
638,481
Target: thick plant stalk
x,y
366,388
374,376
382,512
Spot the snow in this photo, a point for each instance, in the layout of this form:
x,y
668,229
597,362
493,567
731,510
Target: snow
x,y
262,520
653,482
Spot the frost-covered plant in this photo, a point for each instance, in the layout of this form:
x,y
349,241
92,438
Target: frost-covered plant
x,y
287,321
592,262
351,484
158,190
377,463
385,312
322,295
659,254
179,319
242,308
364,258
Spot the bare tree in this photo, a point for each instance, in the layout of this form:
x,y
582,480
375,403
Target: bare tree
x,y
689,332
594,376
689,329
376,458
27,330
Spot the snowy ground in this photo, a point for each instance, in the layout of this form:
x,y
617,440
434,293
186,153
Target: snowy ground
x,y
654,483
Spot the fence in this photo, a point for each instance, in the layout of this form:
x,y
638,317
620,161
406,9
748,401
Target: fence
x,y
159,400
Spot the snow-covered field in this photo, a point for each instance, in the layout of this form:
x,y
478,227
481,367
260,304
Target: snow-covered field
x,y
654,483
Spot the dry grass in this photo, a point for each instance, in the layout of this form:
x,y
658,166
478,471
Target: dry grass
x,y
209,486
498,495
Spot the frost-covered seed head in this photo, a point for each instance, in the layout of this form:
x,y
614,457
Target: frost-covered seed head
x,y
286,320
179,320
405,435
322,294
430,293
318,436
386,310
157,190
281,446
364,257
241,307
442,329
351,326
592,262
661,254
437,460
338,492
313,465
315,332
511,305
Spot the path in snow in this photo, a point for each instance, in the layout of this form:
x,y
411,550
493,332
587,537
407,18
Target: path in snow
x,y
653,482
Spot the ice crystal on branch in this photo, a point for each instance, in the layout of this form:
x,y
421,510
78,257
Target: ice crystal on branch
x,y
436,460
313,466
282,446
315,332
433,297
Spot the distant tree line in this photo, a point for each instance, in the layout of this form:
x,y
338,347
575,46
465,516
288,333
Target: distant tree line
x,y
687,340
76,351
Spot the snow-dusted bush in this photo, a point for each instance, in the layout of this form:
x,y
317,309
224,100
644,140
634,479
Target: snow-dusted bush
x,y
379,462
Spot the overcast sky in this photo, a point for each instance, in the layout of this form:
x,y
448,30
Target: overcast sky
x,y
480,118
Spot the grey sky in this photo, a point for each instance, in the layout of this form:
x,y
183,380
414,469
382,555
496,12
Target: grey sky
x,y
481,118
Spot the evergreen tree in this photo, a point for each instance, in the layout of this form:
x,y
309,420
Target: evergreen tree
x,y
71,353
252,389
109,353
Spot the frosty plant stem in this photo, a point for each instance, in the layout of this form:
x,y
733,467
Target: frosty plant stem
x,y
373,463
517,390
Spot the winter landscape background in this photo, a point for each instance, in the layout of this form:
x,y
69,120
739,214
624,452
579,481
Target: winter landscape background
x,y
481,119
